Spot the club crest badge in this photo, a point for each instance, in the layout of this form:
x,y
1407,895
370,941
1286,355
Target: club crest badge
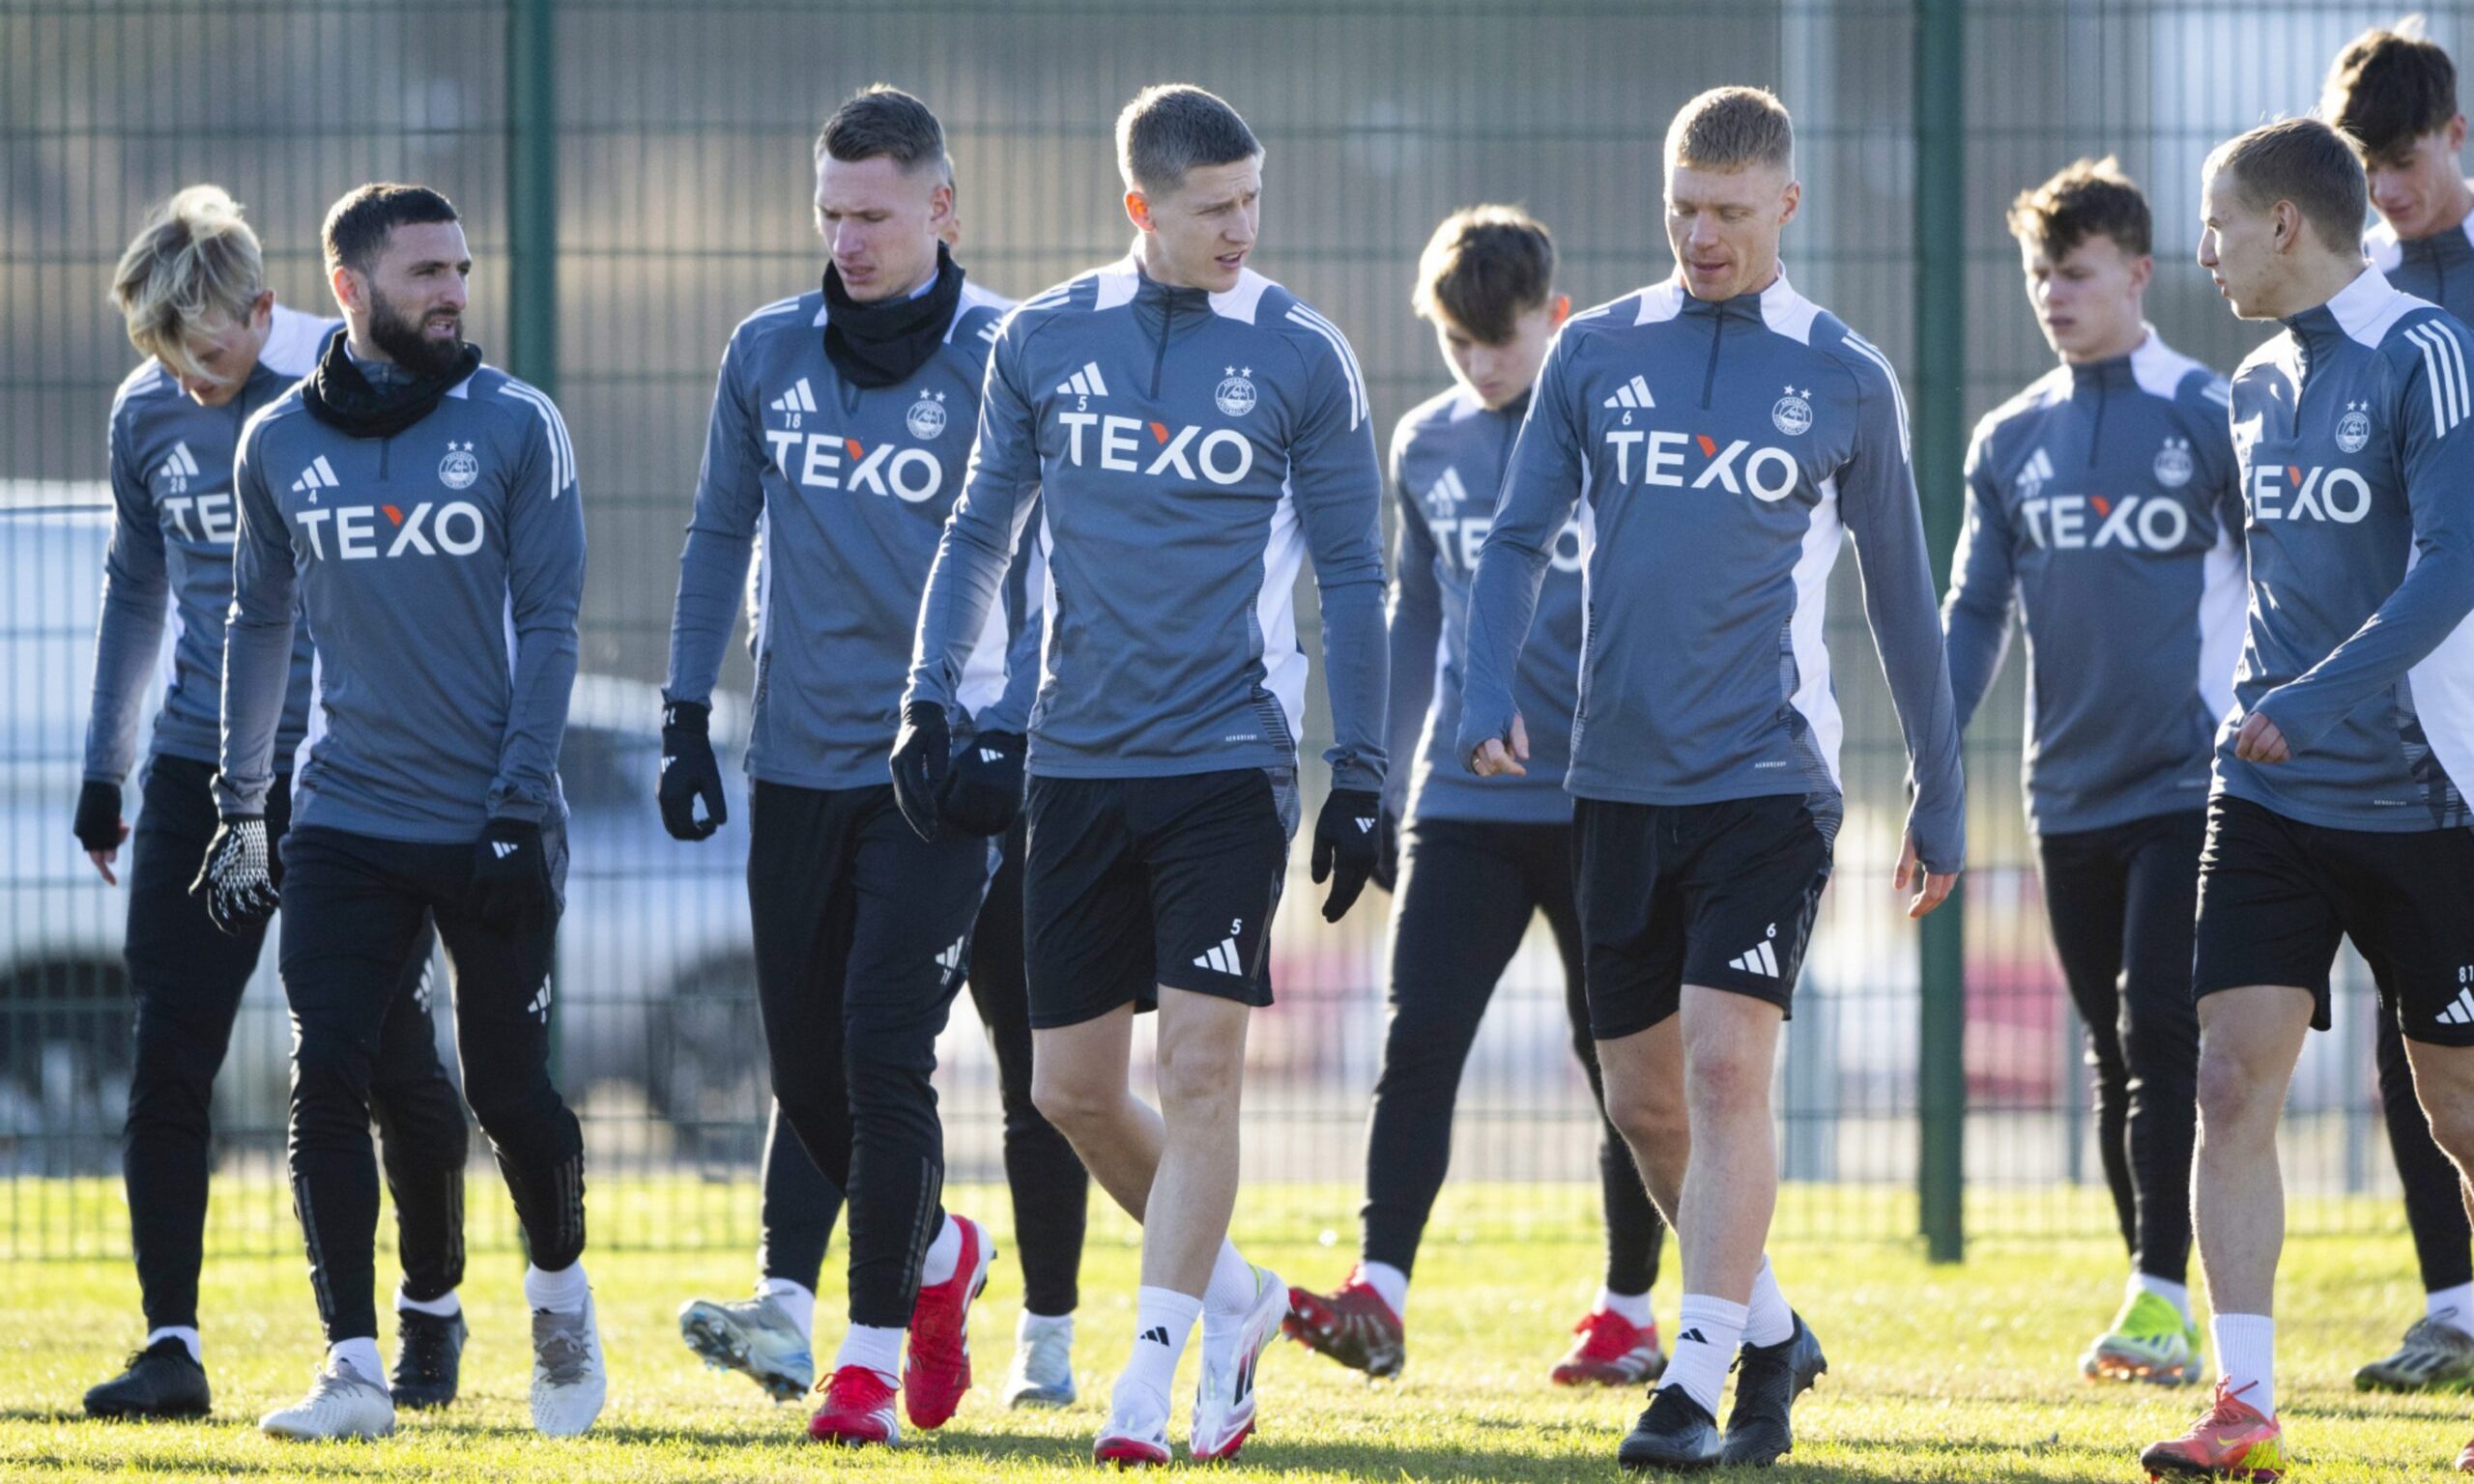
x,y
2172,467
460,468
926,418
2353,430
1236,396
1792,413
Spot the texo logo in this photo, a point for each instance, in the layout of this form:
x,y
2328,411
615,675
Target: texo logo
x,y
1769,473
2287,492
814,460
1221,456
2060,522
455,530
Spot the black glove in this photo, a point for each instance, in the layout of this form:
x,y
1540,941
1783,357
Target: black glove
x,y
1348,846
922,762
98,825
238,881
984,791
511,878
1387,858
688,772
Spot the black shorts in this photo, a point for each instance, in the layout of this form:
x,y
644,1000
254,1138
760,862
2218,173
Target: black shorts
x,y
1718,894
2275,894
1134,882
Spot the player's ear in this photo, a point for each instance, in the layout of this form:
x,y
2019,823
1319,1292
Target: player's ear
x,y
346,286
1791,199
1137,210
1558,311
2142,272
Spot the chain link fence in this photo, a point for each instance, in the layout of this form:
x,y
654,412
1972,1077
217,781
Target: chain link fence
x,y
635,177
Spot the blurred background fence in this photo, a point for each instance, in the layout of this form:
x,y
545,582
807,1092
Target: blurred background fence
x,y
635,177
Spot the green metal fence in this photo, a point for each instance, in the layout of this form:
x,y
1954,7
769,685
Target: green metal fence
x,y
635,178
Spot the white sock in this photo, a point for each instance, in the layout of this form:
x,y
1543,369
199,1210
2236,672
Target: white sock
x,y
361,1354
795,1298
1706,1336
2178,1295
878,1349
1632,1308
1767,1321
1029,1324
944,1254
1230,1293
1162,1320
444,1306
186,1335
1391,1283
2246,1356
2452,1307
563,1292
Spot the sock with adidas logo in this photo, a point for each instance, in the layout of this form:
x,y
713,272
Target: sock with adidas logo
x,y
1706,1335
1164,1319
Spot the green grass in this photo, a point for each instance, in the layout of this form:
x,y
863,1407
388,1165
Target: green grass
x,y
1938,1373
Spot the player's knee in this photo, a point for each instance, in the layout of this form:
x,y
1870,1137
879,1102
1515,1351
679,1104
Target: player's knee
x,y
2235,1099
1646,1114
1198,1080
2452,1129
1721,1083
1072,1104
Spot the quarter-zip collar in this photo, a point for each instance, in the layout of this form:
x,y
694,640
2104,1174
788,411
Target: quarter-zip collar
x,y
2351,313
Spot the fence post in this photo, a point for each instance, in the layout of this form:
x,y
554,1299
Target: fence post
x,y
1940,436
533,193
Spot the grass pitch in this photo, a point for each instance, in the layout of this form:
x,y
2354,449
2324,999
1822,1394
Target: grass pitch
x,y
1962,1373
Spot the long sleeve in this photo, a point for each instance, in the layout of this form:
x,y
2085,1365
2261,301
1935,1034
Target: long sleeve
x,y
1338,489
1025,613
545,587
129,633
1877,501
2426,606
1416,627
257,637
1540,488
981,534
721,537
1975,619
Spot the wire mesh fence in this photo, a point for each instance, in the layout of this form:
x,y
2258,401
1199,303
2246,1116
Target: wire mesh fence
x,y
643,180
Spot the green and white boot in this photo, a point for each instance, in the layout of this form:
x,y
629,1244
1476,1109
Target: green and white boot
x,y
2149,1341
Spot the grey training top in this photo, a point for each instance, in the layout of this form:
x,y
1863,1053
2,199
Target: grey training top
x,y
1448,460
1188,450
2101,502
845,490
1717,452
438,572
2358,472
173,519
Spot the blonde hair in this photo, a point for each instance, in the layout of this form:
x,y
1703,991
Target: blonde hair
x,y
194,261
1727,128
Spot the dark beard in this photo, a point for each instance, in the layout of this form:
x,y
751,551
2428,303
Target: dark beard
x,y
402,340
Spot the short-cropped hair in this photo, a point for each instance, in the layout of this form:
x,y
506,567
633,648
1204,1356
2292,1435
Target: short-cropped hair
x,y
883,122
1727,128
2086,198
2307,163
1483,268
1172,128
358,224
2390,87
194,262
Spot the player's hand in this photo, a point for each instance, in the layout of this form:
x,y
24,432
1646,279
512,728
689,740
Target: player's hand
x,y
99,826
237,880
1386,853
2260,741
922,758
689,772
1494,759
1346,847
511,878
985,790
1931,888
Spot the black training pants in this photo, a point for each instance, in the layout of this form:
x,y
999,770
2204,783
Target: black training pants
x,y
1050,1192
1466,893
353,906
861,930
185,979
2121,900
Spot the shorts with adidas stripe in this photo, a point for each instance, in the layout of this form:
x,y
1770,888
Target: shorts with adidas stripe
x,y
1720,895
2275,894
1130,883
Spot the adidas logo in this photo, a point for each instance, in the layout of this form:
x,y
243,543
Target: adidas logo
x,y
951,959
1449,491
1366,826
1632,393
800,398
1758,959
2460,1012
181,463
2034,475
1085,383
1693,1336
991,755
503,849
1222,960
1157,1334
540,1005
319,475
